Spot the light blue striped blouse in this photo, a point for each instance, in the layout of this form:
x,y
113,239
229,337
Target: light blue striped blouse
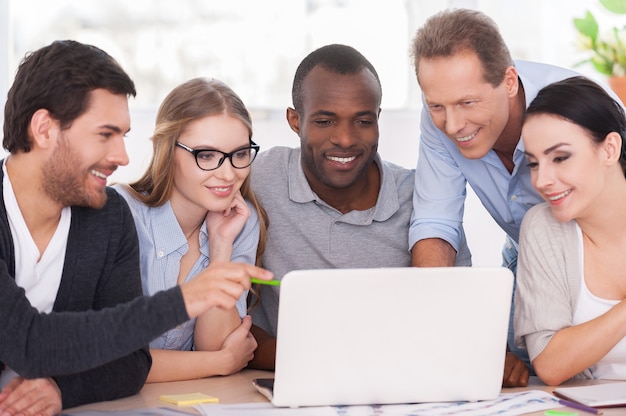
x,y
162,244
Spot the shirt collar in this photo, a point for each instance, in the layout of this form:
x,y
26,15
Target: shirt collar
x,y
530,88
300,191
170,236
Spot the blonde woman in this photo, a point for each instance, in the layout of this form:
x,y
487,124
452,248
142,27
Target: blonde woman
x,y
193,206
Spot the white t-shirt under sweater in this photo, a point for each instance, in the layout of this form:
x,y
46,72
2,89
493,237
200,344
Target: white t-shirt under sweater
x,y
39,277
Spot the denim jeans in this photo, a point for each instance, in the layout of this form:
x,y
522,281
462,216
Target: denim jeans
x,y
509,260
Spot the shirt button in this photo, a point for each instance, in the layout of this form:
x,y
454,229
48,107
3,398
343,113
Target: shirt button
x,y
514,198
160,254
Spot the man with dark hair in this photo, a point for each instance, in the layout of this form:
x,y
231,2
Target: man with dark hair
x,y
474,97
63,88
331,58
332,202
73,326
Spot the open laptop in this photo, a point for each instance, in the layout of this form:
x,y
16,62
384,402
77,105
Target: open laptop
x,y
390,335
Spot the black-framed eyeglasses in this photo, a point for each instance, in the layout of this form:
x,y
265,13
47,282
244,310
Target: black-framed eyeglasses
x,y
212,159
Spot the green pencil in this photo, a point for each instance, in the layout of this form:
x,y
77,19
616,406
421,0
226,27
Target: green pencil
x,y
265,282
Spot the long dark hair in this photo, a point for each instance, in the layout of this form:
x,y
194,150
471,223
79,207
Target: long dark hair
x,y
586,104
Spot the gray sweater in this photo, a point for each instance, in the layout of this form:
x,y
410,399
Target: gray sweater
x,y
94,349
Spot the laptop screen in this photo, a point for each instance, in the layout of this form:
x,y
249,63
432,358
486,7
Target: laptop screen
x,y
391,335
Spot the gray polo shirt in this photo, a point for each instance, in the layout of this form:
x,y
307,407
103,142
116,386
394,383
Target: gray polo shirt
x,y
307,233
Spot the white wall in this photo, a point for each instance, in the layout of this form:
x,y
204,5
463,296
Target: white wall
x,y
257,52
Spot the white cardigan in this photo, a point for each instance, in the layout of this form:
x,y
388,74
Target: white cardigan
x,y
549,275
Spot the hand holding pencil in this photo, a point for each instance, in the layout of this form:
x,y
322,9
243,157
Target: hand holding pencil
x,y
220,284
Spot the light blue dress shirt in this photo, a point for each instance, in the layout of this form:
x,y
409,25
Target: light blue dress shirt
x,y
162,244
442,175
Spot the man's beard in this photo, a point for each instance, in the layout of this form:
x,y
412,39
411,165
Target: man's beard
x,y
63,179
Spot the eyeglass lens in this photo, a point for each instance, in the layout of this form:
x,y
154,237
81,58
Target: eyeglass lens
x,y
212,159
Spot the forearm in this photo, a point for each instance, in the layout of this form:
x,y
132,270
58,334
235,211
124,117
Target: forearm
x,y
120,378
433,252
221,249
265,354
213,326
175,365
574,349
68,343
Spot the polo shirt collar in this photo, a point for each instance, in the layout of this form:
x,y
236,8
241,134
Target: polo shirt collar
x,y
300,191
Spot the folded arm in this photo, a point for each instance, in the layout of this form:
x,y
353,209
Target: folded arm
x,y
235,353
574,349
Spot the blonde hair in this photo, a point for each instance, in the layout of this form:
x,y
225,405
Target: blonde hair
x,y
193,100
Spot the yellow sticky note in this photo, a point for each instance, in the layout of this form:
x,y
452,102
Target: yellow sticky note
x,y
188,399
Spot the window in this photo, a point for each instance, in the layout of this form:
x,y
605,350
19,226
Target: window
x,y
255,46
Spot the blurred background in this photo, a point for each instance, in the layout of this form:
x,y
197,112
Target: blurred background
x,y
255,46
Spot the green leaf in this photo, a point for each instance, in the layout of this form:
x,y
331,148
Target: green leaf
x,y
587,26
620,49
615,6
602,65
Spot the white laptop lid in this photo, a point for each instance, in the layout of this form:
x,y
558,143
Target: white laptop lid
x,y
391,335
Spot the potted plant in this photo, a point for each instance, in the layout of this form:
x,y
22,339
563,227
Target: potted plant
x,y
608,49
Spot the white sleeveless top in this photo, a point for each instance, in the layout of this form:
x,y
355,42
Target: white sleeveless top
x,y
613,365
